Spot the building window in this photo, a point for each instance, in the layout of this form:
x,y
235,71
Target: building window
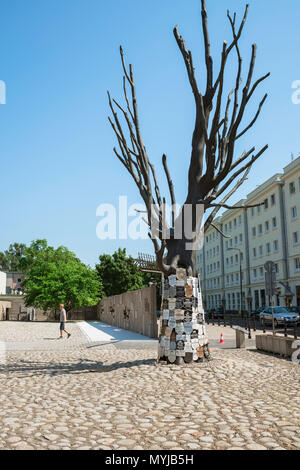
x,y
241,237
234,222
235,240
240,219
277,268
268,248
236,259
273,200
261,251
294,212
230,225
261,272
260,229
274,222
275,244
297,264
254,252
292,188
254,273
266,203
267,226
252,212
259,209
254,232
295,238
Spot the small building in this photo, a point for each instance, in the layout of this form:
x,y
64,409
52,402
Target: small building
x,y
14,283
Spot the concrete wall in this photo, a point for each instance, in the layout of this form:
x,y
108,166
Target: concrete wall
x,y
2,283
135,311
17,305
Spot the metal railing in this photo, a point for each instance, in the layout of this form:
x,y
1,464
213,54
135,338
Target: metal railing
x,y
252,324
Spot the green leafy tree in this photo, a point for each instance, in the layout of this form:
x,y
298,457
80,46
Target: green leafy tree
x,y
119,273
13,258
57,276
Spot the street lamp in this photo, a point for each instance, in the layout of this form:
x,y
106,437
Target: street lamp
x,y
241,280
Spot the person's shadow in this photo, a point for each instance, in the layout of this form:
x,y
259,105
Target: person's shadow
x,y
85,366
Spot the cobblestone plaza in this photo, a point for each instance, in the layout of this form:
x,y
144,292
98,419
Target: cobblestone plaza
x,y
77,394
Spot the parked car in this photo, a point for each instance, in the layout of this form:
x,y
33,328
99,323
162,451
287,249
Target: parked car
x,y
256,313
294,310
281,315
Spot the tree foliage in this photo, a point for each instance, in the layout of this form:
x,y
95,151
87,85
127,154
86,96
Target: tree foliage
x,y
55,276
13,258
119,273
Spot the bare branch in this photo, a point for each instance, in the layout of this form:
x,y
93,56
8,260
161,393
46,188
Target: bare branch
x,y
208,58
255,118
226,206
238,172
218,230
171,187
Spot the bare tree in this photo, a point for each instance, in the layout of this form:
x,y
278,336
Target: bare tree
x,y
214,172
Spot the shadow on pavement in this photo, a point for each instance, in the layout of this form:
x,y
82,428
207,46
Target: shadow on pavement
x,y
85,366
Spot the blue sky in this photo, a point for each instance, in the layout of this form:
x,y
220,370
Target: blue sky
x,y
58,58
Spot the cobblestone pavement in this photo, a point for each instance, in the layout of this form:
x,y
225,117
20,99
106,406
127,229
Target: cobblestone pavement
x,y
79,395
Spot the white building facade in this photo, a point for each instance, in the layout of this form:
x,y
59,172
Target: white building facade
x,y
2,283
232,269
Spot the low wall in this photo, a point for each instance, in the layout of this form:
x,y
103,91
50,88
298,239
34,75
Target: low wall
x,y
275,344
17,305
134,311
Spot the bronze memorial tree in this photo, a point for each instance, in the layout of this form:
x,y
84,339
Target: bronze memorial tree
x,y
214,175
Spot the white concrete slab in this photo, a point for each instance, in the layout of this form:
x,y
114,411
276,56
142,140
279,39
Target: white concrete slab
x,y
102,332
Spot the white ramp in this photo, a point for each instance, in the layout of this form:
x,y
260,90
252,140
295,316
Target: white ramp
x,y
102,332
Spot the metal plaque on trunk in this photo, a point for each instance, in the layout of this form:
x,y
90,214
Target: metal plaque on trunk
x,y
166,314
188,317
179,328
172,291
172,356
188,291
179,314
181,274
181,337
172,280
179,303
180,292
188,328
180,345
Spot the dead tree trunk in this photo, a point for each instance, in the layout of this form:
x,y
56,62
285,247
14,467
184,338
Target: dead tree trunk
x,y
214,172
214,175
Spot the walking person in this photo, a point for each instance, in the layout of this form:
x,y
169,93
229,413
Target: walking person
x,y
63,319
